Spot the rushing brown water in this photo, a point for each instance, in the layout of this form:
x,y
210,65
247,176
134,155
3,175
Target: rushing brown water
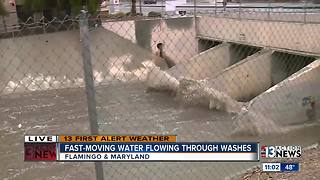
x,y
122,109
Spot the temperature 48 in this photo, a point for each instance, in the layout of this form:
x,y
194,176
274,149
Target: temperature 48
x,y
280,167
290,167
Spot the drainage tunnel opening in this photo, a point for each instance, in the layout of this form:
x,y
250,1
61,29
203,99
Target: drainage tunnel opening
x,y
281,67
239,52
205,44
284,65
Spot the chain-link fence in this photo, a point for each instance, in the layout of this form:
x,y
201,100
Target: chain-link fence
x,y
201,71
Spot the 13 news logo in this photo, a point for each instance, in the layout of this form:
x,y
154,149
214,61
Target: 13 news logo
x,y
281,151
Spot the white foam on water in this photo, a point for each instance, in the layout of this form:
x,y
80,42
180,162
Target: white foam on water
x,y
47,82
196,92
41,82
39,127
160,80
117,70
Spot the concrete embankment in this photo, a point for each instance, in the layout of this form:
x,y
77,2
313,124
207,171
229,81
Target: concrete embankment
x,y
54,61
265,89
282,108
205,65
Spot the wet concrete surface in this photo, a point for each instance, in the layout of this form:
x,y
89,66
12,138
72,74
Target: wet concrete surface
x,y
122,109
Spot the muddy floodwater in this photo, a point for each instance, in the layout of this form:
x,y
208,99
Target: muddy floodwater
x,y
122,109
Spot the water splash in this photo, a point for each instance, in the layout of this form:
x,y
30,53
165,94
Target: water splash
x,y
160,80
41,82
196,92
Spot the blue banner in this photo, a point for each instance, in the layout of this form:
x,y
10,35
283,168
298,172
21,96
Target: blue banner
x,y
290,167
178,147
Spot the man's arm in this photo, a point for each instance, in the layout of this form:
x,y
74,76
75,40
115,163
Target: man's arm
x,y
169,61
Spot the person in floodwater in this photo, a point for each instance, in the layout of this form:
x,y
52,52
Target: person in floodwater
x,y
161,54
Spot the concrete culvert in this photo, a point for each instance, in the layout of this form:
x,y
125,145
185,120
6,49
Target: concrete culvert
x,y
235,88
207,64
281,108
194,91
247,79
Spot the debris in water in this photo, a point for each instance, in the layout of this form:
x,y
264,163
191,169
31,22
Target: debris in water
x,y
20,126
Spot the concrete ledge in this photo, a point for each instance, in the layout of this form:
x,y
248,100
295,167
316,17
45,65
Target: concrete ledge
x,y
284,35
280,109
246,78
205,64
283,102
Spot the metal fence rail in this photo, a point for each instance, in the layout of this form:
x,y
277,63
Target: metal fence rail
x,y
306,11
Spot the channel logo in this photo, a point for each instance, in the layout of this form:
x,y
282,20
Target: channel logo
x,y
280,151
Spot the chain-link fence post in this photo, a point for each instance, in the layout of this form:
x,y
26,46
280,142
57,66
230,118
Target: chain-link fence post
x,y
4,24
305,11
239,9
43,21
195,16
215,8
269,10
161,8
140,7
88,75
194,8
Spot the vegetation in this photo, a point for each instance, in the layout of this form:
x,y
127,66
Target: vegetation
x,y
74,6
3,11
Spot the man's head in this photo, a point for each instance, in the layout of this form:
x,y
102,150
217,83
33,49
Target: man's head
x,y
160,46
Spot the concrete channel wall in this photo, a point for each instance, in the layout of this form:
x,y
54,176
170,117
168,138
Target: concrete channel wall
x,y
53,61
246,78
257,73
283,35
209,63
177,35
205,64
283,103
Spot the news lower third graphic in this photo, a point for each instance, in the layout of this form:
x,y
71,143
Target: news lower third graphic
x,y
134,148
280,167
280,151
155,148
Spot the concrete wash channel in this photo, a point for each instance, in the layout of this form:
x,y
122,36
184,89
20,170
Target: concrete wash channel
x,y
43,92
264,88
